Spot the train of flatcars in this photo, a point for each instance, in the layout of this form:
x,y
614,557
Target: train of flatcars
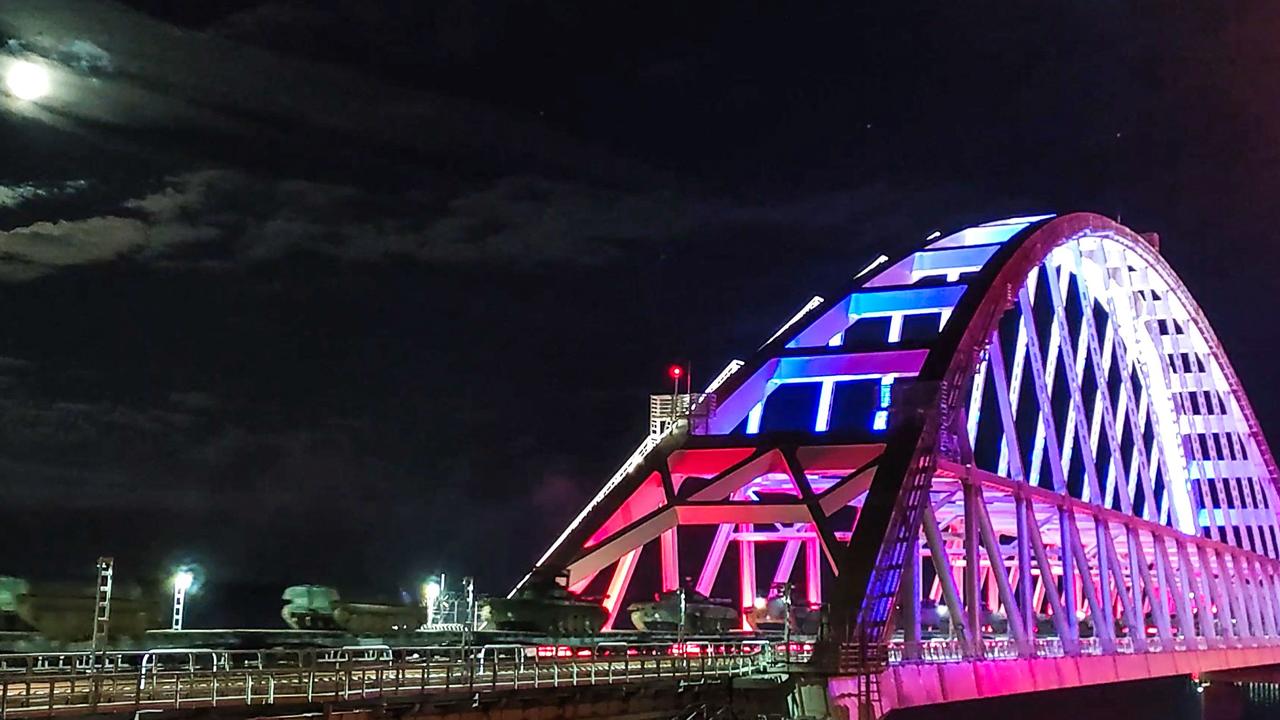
x,y
61,616
53,617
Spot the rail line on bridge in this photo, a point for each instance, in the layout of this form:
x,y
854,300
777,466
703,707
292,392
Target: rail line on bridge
x,y
129,682
68,684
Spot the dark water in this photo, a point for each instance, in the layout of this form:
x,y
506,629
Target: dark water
x,y
1242,701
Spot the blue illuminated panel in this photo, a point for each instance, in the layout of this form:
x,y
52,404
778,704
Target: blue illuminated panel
x,y
930,298
922,299
968,258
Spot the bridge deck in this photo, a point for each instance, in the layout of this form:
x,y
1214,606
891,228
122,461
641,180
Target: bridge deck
x,y
81,684
183,680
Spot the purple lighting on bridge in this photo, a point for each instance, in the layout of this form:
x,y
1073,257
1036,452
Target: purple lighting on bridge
x,y
1078,472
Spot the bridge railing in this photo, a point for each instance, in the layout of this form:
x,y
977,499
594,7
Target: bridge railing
x,y
80,683
952,649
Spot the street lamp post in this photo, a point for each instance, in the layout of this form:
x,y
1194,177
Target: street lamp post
x,y
182,581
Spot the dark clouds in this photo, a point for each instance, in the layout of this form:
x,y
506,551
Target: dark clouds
x,y
217,217
77,54
13,196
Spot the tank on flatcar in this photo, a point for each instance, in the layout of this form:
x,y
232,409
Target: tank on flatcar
x,y
317,607
701,614
544,607
65,612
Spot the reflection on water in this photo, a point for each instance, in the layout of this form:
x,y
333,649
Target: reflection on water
x,y
1241,701
1262,696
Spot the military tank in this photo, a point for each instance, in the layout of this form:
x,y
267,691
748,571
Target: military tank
x,y
702,615
317,607
65,612
544,607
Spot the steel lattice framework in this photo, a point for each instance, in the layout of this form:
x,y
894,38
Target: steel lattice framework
x,y
1023,435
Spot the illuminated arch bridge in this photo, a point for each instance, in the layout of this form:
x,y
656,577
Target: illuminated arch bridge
x,y
1021,439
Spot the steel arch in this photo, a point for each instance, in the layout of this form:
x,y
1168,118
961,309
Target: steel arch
x,y
1182,460
911,457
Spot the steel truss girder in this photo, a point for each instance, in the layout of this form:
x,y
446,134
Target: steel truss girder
x,y
1135,590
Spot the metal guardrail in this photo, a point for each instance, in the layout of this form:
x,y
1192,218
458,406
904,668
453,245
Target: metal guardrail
x,y
952,650
79,683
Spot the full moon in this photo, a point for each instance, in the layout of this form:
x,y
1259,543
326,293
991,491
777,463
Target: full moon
x,y
26,81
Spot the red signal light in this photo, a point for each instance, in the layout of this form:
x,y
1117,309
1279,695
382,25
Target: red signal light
x,y
675,371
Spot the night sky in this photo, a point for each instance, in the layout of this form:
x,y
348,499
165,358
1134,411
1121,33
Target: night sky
x,y
349,293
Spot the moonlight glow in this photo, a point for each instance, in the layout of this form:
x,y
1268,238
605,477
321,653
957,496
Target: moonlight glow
x,y
26,81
